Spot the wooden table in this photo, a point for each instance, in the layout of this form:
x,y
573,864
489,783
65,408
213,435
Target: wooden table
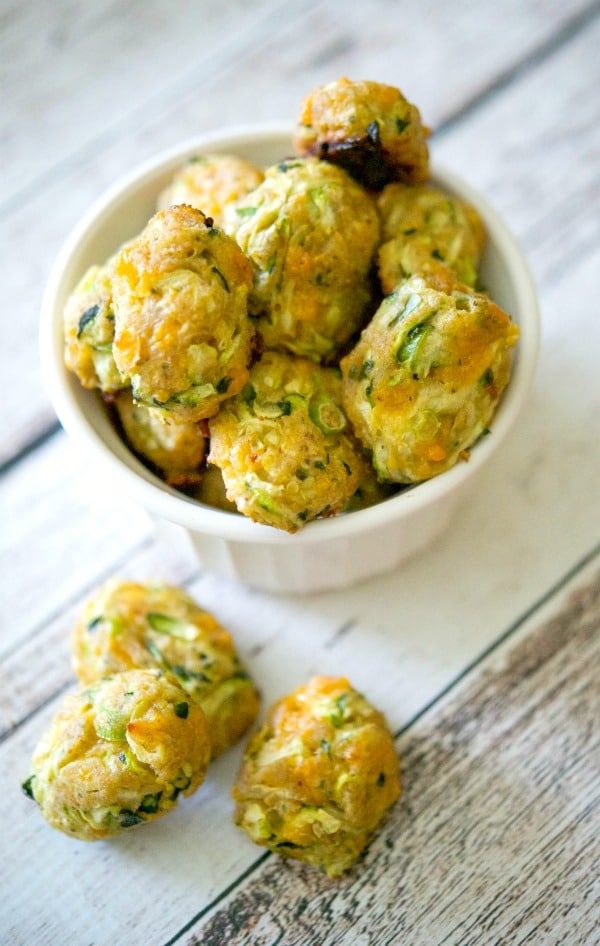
x,y
484,652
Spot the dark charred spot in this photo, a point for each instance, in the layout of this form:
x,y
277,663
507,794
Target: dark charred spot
x,y
362,156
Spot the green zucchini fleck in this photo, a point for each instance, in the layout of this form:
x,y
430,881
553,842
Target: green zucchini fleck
x,y
88,316
269,410
155,651
411,304
365,369
174,627
408,351
111,724
182,709
222,278
184,674
338,716
192,397
150,804
223,385
249,394
327,416
184,781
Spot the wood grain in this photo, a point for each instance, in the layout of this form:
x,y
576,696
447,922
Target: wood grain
x,y
36,669
106,65
493,840
61,531
519,157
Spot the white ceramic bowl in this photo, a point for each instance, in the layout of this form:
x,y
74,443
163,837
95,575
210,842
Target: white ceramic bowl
x,y
325,554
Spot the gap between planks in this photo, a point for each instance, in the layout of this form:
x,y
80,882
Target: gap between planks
x,y
536,57
518,651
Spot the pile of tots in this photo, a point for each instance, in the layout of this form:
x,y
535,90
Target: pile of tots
x,y
299,341
163,692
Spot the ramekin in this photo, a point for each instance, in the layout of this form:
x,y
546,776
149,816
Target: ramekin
x,y
325,554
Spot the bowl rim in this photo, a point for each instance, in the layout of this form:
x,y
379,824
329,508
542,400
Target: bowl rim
x,y
161,500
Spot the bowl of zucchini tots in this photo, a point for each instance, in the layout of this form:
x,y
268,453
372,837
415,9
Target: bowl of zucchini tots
x,y
297,344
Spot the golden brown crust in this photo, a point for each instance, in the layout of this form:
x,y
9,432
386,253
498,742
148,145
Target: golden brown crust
x,y
125,625
173,449
118,754
284,445
318,777
182,334
310,232
368,128
214,183
425,378
427,231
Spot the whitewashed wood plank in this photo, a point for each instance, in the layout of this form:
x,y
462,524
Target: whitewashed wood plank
x,y
441,55
38,665
535,151
445,58
495,838
193,855
80,72
59,533
545,523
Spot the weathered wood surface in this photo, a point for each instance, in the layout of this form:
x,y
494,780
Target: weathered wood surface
x,y
495,838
